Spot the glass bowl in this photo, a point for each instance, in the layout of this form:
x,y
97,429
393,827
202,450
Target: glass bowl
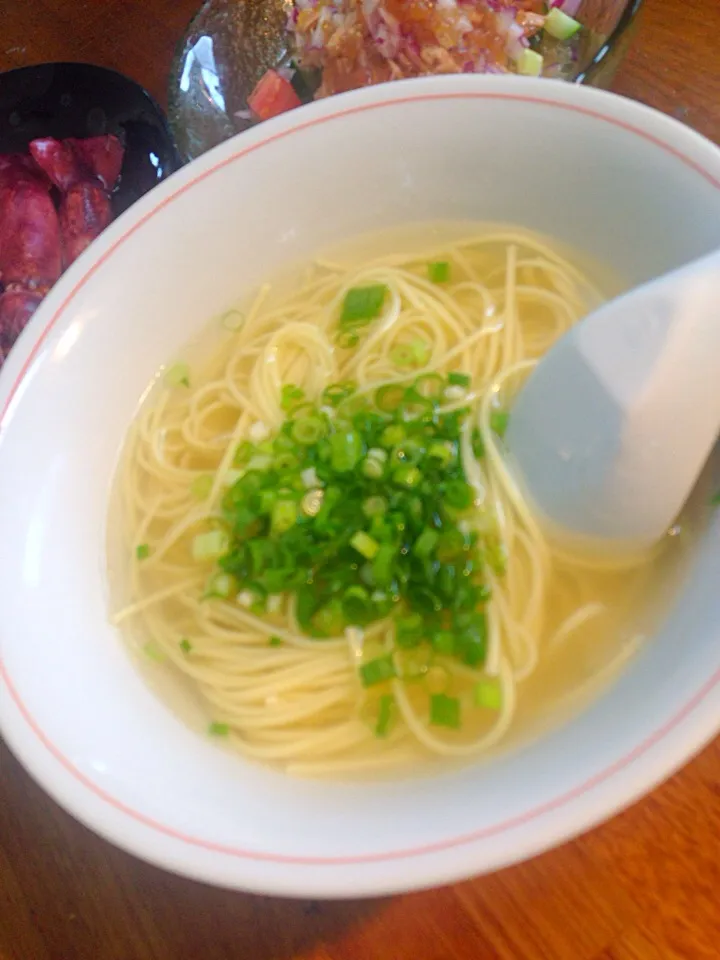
x,y
231,43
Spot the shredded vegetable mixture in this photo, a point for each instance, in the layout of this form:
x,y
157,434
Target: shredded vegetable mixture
x,y
360,42
340,45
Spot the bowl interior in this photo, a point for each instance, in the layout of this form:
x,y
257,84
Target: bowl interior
x,y
621,183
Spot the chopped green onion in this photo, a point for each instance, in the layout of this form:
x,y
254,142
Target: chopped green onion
x,y
386,710
347,340
382,567
243,453
414,354
330,619
220,585
308,430
416,407
356,604
337,392
444,711
291,396
472,640
210,546
559,25
499,420
373,468
201,486
429,386
310,478
439,271
362,304
185,645
275,641
285,461
407,477
178,375
248,599
443,642
312,503
426,543
393,435
345,450
377,453
488,694
232,320
260,463
258,432
218,729
458,494
415,663
478,445
374,506
301,522
530,63
389,398
459,380
377,671
284,516
453,394
142,551
409,631
364,544
154,652
442,451
266,501
274,603
496,554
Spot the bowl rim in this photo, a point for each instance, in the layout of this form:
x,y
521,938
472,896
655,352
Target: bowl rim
x,y
640,768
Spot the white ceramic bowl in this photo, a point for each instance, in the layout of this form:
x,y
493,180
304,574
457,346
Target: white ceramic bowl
x,y
627,185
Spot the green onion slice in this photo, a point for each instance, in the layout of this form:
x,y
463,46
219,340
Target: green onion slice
x,y
178,375
377,671
362,304
439,271
444,711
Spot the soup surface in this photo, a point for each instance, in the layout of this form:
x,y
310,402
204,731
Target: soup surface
x,y
316,541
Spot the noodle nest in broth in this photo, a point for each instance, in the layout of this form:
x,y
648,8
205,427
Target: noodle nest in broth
x,y
321,530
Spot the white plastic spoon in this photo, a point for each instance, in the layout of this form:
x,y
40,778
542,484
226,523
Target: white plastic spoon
x,y
613,427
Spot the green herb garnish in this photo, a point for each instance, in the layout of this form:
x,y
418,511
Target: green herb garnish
x,y
439,272
444,711
218,729
386,711
362,304
356,510
377,671
178,375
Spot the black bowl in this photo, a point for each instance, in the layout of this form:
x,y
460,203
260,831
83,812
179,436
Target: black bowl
x,y
80,100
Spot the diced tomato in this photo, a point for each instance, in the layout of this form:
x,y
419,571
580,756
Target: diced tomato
x,y
272,96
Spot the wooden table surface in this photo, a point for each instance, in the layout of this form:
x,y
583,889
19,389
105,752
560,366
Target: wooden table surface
x,y
645,886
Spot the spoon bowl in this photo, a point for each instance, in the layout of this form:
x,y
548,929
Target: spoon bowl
x,y
616,422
